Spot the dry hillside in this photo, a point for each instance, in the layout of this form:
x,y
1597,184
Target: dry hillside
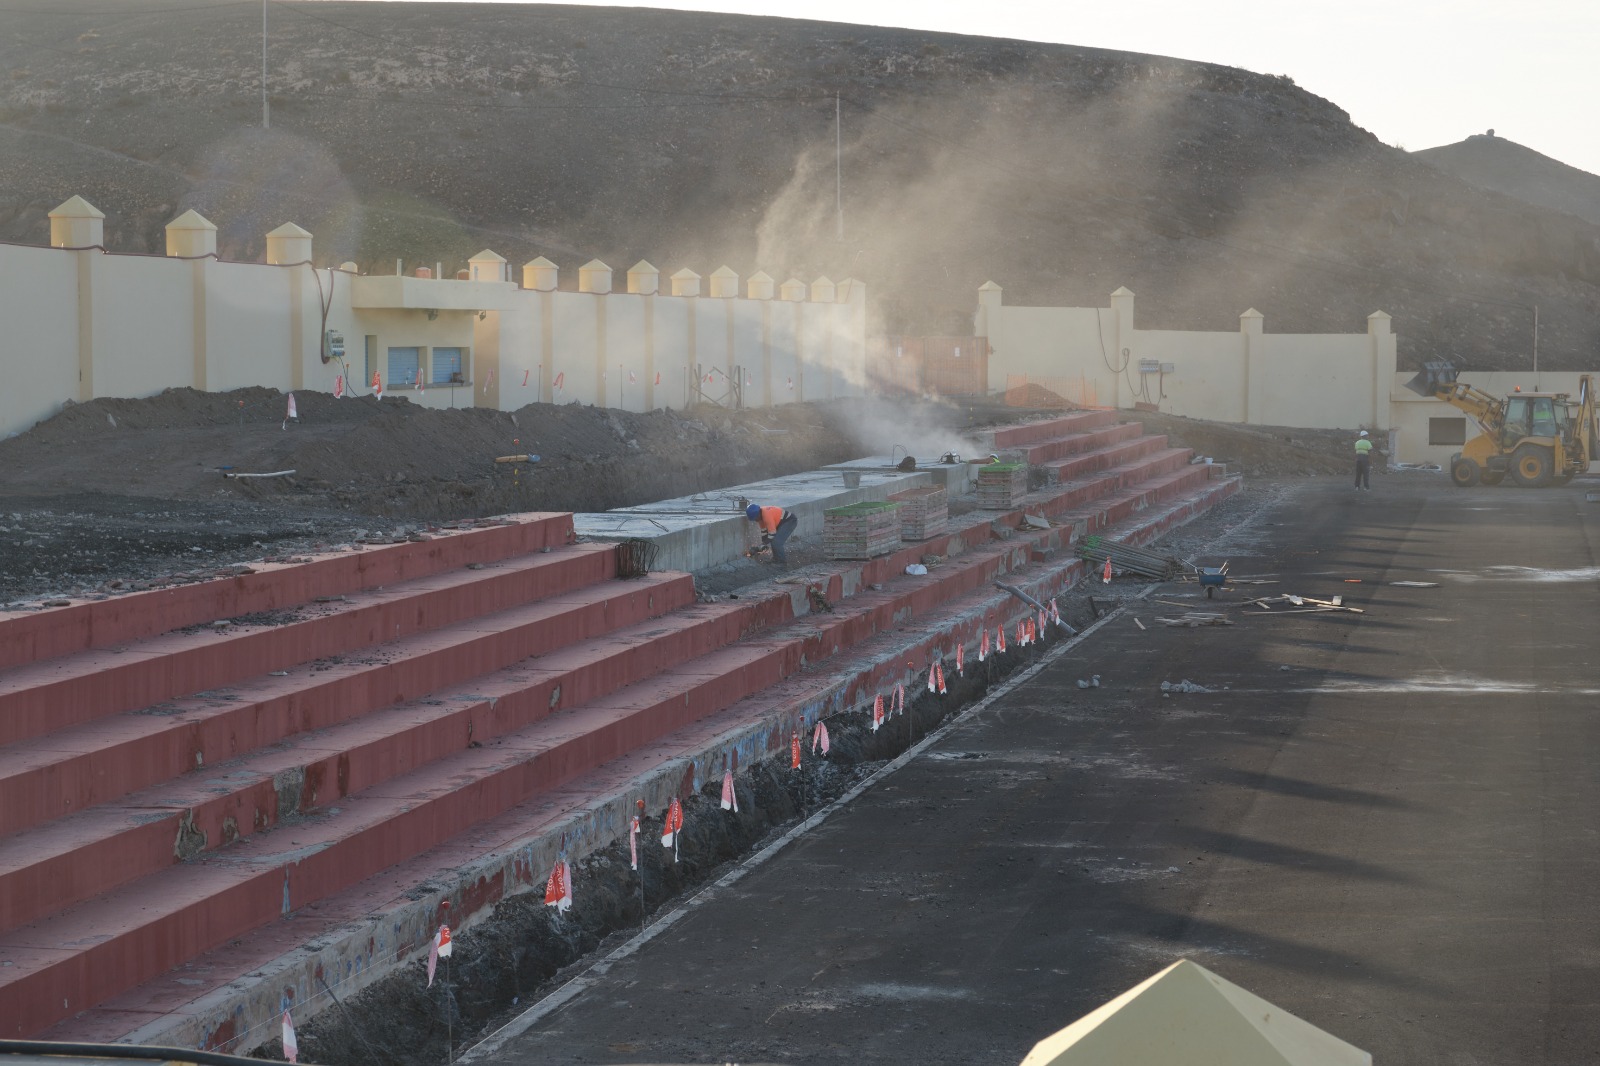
x,y
428,131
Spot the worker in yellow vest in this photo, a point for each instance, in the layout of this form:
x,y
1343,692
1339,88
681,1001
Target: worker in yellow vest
x,y
775,524
1364,462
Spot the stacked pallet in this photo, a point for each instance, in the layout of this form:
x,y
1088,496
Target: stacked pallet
x,y
1001,486
861,530
924,512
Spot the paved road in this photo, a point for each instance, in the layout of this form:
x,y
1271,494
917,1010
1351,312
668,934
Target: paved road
x,y
1388,824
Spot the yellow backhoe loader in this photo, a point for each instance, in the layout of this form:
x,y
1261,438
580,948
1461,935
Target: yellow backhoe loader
x,y
1538,438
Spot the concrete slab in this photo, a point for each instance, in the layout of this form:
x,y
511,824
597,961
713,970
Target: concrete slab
x,y
956,478
709,529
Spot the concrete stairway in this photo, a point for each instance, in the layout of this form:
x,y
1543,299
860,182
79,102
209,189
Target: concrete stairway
x,y
172,790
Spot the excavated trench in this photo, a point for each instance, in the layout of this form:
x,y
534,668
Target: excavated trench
x,y
524,950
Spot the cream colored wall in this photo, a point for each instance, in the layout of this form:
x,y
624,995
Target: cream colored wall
x,y
247,329
155,323
1321,381
39,353
1251,376
143,330
1208,373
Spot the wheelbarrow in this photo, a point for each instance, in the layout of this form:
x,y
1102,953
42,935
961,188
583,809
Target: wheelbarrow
x,y
1212,578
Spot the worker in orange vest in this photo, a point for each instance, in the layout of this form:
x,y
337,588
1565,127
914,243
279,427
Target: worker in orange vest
x,y
775,524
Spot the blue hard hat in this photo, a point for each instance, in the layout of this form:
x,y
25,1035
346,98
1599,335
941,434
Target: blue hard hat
x,y
752,512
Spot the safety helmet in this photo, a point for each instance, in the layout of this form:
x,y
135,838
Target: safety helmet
x,y
752,512
1363,433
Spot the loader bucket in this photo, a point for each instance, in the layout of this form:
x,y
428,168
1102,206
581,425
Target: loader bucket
x,y
1432,378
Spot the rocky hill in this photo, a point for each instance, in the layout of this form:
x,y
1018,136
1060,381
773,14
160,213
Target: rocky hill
x,y
1494,163
427,131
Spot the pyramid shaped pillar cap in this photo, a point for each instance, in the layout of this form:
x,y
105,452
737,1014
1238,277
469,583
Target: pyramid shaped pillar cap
x,y
644,278
724,282
77,223
760,286
594,276
487,265
191,235
540,274
288,244
686,283
794,290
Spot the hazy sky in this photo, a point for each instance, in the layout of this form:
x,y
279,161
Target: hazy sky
x,y
1417,73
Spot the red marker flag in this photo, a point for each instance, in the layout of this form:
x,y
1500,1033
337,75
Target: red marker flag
x,y
794,750
899,699
631,378
658,377
939,669
291,1046
338,387
983,647
961,650
417,384
877,712
672,825
1022,634
558,890
633,844
487,381
290,414
730,796
1033,631
525,374
1000,639
1055,612
439,949
561,380
819,738
933,684
1044,620
789,384
1105,575
377,385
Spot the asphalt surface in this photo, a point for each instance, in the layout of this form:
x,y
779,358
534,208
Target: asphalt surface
x,y
1385,823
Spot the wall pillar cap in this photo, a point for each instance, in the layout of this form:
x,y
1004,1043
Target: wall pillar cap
x,y
289,229
990,286
724,282
77,207
594,276
760,286
1123,290
192,220
794,290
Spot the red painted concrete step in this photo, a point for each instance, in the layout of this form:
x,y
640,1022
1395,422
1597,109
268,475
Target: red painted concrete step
x,y
75,858
1076,443
59,631
1033,432
1085,463
96,762
442,798
44,697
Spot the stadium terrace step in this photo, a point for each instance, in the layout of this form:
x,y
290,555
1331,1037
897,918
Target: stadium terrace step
x,y
1082,464
44,697
1025,433
502,698
59,631
1046,452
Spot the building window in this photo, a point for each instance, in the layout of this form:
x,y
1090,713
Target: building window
x,y
403,364
372,358
449,366
1447,431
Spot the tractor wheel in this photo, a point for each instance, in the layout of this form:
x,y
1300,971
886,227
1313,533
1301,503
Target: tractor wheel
x,y
1531,466
1464,473
1492,477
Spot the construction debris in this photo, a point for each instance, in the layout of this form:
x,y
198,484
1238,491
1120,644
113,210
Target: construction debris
x,y
1301,604
1130,559
1415,584
1198,618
